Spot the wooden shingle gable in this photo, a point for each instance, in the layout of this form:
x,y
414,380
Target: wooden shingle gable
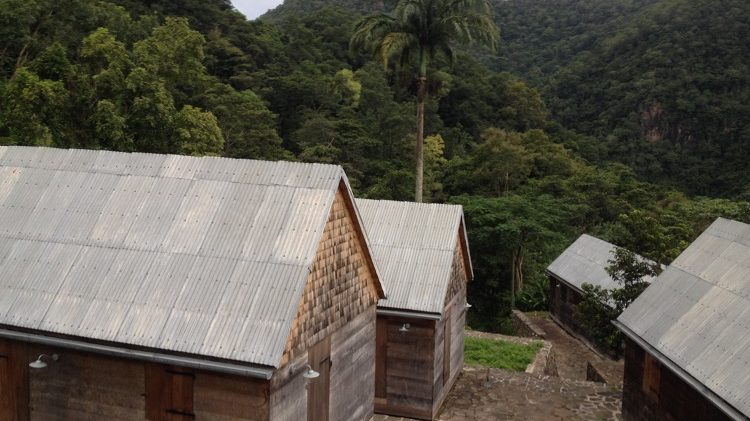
x,y
342,283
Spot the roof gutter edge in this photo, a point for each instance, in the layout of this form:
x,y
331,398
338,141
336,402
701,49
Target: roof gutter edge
x,y
405,313
717,400
114,351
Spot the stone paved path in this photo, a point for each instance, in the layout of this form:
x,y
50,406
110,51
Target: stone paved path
x,y
572,355
493,394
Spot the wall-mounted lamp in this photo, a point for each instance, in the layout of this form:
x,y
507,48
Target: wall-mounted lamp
x,y
468,306
404,328
39,363
310,373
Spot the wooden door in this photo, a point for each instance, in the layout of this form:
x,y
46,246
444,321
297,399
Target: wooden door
x,y
169,393
318,389
14,382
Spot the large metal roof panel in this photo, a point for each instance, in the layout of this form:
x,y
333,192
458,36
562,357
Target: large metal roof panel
x,y
203,256
414,245
697,313
586,261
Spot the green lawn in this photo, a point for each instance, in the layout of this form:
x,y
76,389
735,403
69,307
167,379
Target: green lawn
x,y
499,354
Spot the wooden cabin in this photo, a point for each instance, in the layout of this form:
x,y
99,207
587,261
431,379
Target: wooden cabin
x,y
687,354
584,261
177,288
423,255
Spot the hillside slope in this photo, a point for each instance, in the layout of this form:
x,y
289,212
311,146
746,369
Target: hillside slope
x,y
670,93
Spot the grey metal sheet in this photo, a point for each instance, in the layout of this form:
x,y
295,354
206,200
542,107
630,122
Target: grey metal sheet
x,y
697,313
413,245
206,256
586,261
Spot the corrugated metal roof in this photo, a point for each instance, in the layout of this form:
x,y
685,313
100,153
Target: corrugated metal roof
x,y
205,256
697,314
586,261
413,245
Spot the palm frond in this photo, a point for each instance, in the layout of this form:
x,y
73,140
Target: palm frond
x,y
399,44
370,31
470,28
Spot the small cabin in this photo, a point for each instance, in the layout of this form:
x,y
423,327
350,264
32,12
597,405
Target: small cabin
x,y
159,287
687,353
584,261
423,255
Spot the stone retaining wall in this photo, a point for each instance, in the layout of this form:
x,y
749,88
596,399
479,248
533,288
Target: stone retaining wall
x,y
524,326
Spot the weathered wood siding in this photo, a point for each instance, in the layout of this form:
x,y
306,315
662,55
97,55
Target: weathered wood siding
x,y
564,301
340,286
453,322
653,392
230,398
85,386
289,391
456,313
419,367
339,304
353,369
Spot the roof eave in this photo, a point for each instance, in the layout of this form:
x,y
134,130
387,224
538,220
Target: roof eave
x,y
717,400
359,227
238,369
409,314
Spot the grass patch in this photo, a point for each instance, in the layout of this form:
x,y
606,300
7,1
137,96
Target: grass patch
x,y
499,354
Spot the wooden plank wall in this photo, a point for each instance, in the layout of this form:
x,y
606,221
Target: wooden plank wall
x,y
289,391
455,311
14,377
353,370
675,400
230,398
86,386
340,286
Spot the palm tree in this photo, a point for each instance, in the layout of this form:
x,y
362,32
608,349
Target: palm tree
x,y
416,33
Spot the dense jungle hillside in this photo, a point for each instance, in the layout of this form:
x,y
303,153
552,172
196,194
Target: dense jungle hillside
x,y
531,139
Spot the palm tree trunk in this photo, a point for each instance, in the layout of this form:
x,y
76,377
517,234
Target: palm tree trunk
x,y
421,94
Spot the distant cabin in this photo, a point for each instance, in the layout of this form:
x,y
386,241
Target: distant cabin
x,y
687,352
423,255
178,288
584,261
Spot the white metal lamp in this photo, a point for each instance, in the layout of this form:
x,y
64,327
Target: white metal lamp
x,y
310,373
468,306
39,363
404,328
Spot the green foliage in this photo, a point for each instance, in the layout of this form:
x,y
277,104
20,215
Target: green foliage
x,y
499,354
32,109
198,132
553,136
599,307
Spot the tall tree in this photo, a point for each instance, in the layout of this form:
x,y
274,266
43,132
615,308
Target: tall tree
x,y
416,34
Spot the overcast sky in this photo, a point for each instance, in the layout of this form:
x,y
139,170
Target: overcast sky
x,y
254,8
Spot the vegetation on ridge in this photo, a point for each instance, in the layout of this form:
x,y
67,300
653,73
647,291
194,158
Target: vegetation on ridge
x,y
534,165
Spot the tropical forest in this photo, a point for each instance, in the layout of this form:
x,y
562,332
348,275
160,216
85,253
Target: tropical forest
x,y
625,119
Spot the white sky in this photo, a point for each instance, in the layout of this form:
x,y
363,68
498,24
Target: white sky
x,y
254,8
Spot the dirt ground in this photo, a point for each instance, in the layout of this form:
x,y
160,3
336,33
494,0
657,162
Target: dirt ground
x,y
573,355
